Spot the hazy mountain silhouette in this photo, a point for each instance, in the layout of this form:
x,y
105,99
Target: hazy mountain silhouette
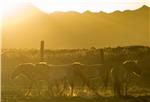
x,y
26,27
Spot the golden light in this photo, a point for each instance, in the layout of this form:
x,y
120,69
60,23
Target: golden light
x,y
7,7
49,6
91,5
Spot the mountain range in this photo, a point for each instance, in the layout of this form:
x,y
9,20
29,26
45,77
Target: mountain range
x,y
26,27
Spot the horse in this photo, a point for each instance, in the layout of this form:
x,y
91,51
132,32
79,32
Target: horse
x,y
55,75
41,71
87,73
122,74
27,70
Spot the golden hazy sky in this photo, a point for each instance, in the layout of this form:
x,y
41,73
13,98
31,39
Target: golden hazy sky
x,y
49,6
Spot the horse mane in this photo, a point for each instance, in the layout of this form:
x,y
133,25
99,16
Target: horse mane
x,y
77,63
31,64
42,63
130,61
94,65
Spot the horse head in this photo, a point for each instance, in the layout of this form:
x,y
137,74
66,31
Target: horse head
x,y
22,69
132,67
16,72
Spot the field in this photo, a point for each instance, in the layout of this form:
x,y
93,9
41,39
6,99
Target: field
x,y
80,99
139,90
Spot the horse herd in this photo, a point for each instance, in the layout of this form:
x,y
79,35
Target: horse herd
x,y
60,77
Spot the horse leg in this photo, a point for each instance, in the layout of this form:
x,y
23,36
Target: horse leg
x,y
106,79
114,90
50,90
63,89
126,89
38,87
57,88
72,88
29,90
93,89
121,89
118,89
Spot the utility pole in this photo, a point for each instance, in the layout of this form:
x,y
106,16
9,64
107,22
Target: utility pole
x,y
42,51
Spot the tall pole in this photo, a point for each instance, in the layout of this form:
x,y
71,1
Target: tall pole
x,y
102,56
42,51
149,29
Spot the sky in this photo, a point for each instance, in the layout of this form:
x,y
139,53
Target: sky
x,y
50,6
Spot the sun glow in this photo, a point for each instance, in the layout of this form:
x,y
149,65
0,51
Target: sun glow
x,y
92,5
49,6
6,7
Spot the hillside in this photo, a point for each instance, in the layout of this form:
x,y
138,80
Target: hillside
x,y
26,27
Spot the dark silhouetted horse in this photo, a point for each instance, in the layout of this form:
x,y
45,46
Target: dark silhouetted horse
x,y
42,71
92,72
55,75
121,75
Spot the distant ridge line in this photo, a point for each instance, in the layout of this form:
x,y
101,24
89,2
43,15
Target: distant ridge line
x,y
89,11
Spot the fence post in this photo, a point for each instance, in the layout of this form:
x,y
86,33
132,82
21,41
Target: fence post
x,y
102,56
42,51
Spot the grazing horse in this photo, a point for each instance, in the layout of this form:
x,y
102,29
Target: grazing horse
x,y
52,74
27,70
121,75
92,72
55,75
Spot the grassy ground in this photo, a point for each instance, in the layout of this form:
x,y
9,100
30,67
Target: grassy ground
x,y
11,58
11,96
78,99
